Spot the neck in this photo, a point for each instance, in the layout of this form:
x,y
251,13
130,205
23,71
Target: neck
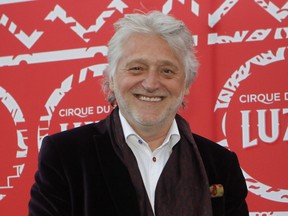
x,y
153,135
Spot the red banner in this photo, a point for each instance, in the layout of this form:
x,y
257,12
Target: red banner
x,y
53,53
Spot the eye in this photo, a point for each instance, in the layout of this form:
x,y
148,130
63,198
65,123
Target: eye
x,y
167,72
137,68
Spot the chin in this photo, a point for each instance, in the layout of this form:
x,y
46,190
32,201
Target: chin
x,y
151,120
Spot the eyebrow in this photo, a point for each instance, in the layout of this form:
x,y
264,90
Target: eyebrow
x,y
145,61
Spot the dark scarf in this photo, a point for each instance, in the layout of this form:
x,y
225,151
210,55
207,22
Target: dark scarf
x,y
182,189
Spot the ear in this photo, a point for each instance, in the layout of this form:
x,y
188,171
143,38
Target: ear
x,y
111,84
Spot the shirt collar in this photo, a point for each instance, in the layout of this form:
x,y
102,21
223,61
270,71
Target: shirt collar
x,y
173,136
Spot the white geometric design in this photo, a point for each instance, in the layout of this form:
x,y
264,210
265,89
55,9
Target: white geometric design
x,y
214,18
167,7
28,41
18,117
53,56
60,13
3,2
19,170
278,13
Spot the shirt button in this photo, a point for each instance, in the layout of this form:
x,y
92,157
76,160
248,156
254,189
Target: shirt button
x,y
154,159
140,141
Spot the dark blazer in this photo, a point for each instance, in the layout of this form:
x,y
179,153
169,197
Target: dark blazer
x,y
79,174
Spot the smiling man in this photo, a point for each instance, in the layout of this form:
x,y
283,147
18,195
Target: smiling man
x,y
143,158
149,85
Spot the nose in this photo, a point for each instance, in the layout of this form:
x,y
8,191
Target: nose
x,y
151,81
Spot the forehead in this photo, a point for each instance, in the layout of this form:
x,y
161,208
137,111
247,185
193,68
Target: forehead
x,y
149,48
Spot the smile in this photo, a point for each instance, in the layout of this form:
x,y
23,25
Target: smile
x,y
149,99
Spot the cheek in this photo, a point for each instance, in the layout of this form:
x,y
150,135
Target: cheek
x,y
122,85
177,88
128,82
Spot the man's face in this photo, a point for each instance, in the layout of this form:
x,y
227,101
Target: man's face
x,y
149,82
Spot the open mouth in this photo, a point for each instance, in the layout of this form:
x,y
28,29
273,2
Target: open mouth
x,y
149,99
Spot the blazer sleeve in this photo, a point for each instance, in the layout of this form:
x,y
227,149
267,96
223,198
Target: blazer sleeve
x,y
49,194
222,167
236,189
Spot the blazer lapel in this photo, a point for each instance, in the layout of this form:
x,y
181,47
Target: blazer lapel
x,y
117,177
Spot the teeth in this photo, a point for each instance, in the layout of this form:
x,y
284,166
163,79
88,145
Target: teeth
x,y
150,99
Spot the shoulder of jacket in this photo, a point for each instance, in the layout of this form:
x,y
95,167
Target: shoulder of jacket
x,y
80,133
208,146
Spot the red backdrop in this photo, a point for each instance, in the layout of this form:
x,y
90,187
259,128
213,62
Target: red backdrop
x,y
52,55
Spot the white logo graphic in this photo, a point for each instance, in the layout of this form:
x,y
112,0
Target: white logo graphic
x,y
3,2
214,18
28,41
167,7
278,13
223,101
59,94
18,118
60,13
53,56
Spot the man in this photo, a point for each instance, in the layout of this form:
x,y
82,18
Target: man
x,y
142,159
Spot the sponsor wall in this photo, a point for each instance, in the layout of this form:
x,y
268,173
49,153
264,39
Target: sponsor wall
x,y
53,53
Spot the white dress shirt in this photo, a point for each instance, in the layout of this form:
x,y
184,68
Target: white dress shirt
x,y
150,163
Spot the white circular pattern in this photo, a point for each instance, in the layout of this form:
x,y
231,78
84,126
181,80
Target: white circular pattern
x,y
254,186
58,94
